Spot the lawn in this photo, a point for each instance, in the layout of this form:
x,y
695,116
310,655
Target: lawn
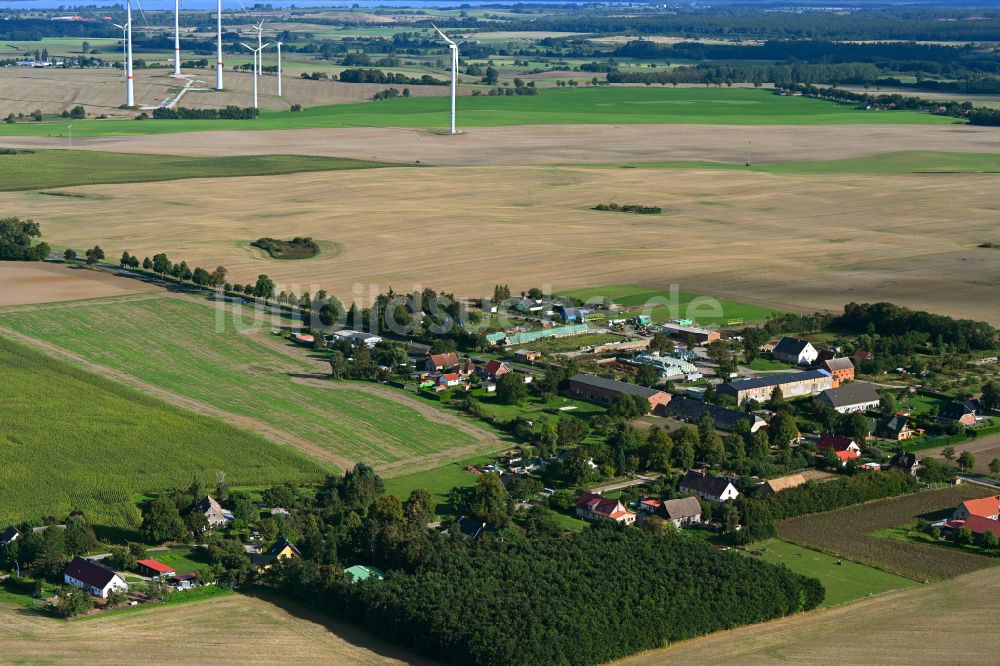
x,y
38,169
197,352
665,306
765,364
909,161
438,481
844,580
604,105
73,440
183,560
570,342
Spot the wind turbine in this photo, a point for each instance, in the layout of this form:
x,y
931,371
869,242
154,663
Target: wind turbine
x,y
256,54
127,54
177,37
218,45
454,74
279,68
257,63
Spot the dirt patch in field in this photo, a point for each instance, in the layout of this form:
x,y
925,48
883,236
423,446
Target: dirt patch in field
x,y
546,144
905,627
227,630
24,283
805,242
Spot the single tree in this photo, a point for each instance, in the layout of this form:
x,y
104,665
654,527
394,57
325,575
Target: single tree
x,y
69,254
966,460
511,389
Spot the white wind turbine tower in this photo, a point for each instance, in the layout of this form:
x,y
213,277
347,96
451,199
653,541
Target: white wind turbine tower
x,y
177,37
279,68
256,54
258,65
454,74
127,54
218,47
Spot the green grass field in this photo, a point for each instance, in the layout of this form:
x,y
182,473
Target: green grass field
x,y
73,440
438,481
183,560
764,364
664,307
39,169
174,344
607,105
844,580
907,161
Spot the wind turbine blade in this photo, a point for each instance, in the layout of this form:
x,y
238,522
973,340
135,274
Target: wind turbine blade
x,y
249,47
142,13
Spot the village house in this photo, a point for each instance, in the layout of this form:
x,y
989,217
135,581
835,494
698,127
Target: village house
x,y
450,379
791,385
691,411
494,369
905,461
591,506
986,507
606,391
282,549
9,535
682,512
357,338
527,355
92,577
963,412
701,336
153,568
214,513
841,368
895,427
976,524
715,488
438,362
794,351
466,368
650,505
853,397
844,448
570,314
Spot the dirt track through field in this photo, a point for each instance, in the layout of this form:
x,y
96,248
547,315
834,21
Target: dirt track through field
x,y
547,144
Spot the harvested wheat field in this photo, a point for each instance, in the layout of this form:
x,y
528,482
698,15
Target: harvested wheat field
x,y
912,626
225,630
983,449
102,91
807,242
547,144
23,283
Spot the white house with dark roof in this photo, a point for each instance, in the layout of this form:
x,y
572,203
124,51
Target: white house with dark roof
x,y
795,351
853,397
715,488
95,578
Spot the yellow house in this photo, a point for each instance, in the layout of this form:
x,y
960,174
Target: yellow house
x,y
282,549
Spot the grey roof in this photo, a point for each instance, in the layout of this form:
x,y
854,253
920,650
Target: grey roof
x,y
855,393
8,535
90,572
894,423
959,408
840,363
686,409
703,483
775,380
685,507
614,385
790,346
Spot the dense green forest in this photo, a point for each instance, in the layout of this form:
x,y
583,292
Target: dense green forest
x,y
602,594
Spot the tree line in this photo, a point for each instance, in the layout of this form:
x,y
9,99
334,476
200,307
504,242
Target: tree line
x,y
378,76
231,112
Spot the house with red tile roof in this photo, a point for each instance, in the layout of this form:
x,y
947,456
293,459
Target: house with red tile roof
x,y
987,507
977,524
450,379
494,369
592,506
844,448
437,362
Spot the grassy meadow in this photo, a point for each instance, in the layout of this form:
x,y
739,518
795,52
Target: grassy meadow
x,y
39,169
662,306
174,344
844,580
604,105
74,440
